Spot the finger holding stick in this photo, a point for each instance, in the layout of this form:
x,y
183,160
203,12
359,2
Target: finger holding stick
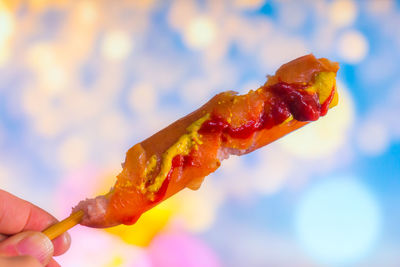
x,y
21,240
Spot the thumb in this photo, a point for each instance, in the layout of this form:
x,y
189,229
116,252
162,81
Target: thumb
x,y
34,244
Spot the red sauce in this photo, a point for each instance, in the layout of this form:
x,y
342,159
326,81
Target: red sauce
x,y
288,99
303,105
216,124
188,160
325,105
177,162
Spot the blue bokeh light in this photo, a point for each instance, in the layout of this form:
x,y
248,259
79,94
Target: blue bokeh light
x,y
337,221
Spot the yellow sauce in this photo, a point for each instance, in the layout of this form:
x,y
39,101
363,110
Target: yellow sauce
x,y
323,84
335,99
182,147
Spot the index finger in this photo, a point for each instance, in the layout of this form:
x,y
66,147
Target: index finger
x,y
17,215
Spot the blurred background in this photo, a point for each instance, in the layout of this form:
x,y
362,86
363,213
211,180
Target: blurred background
x,y
82,81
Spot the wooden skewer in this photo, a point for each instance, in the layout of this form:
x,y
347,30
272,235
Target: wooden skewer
x,y
63,226
66,224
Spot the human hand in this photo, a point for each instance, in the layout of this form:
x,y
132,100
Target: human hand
x,y
21,240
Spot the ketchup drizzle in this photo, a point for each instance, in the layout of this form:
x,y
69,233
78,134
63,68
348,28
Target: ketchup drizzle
x,y
288,99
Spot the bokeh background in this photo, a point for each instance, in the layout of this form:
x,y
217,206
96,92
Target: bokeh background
x,y
82,81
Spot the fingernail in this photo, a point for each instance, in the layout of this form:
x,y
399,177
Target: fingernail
x,y
36,245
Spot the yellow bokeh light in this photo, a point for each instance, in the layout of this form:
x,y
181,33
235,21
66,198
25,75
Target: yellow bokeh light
x,y
197,209
87,12
9,4
343,12
200,32
325,136
6,32
147,227
39,5
6,25
54,79
45,60
116,45
144,4
353,46
41,55
115,261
